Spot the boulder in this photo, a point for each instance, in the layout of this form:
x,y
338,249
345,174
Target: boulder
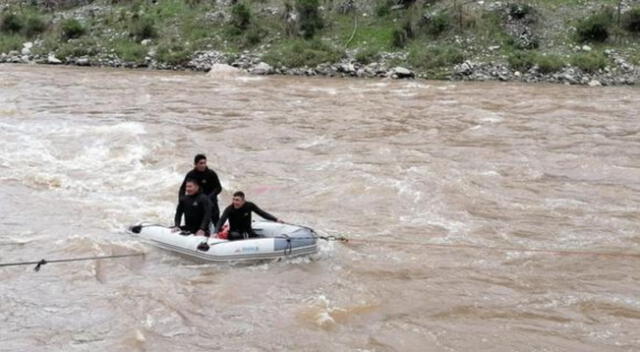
x,y
53,60
401,72
26,48
83,61
262,68
594,83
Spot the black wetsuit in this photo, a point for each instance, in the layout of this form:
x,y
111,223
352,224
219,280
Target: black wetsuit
x,y
209,186
240,220
197,213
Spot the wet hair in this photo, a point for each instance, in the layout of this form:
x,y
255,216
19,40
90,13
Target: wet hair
x,y
193,180
199,157
239,194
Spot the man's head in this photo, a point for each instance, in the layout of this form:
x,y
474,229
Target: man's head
x,y
238,199
200,162
192,187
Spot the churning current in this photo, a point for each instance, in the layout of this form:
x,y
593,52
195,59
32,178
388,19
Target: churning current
x,y
468,173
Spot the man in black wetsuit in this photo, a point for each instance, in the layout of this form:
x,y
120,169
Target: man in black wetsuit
x,y
209,184
196,209
239,215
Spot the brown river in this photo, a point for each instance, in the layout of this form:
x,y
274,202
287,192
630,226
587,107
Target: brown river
x,y
475,211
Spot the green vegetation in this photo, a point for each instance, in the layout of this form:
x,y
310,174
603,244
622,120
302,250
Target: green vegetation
x,y
11,23
302,53
9,42
240,17
431,58
72,29
595,28
631,20
429,36
367,55
129,51
27,22
590,62
142,28
173,54
310,20
525,60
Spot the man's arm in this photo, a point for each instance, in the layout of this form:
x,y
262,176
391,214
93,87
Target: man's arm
x,y
178,218
262,213
223,219
204,202
215,181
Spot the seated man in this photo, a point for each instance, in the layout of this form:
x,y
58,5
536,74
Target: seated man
x,y
239,215
196,209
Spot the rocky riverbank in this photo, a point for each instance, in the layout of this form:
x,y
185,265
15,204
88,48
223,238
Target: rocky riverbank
x,y
621,73
476,41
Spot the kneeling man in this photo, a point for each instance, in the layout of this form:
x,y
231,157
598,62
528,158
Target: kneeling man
x,y
196,209
239,215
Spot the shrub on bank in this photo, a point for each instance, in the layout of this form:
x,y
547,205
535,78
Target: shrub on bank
x,y
631,20
29,24
383,7
10,42
309,19
595,28
142,28
434,57
589,62
173,53
240,17
402,34
34,25
366,56
72,29
519,11
301,53
524,60
82,47
11,23
436,24
130,51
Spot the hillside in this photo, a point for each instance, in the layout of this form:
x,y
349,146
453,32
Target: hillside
x,y
568,41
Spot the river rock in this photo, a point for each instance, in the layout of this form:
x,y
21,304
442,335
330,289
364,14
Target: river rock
x,y
53,60
262,68
346,68
26,48
83,61
594,83
401,72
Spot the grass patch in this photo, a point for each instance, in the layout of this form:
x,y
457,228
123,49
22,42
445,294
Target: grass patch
x,y
27,21
173,53
525,60
590,62
129,51
366,56
76,48
10,42
434,57
301,53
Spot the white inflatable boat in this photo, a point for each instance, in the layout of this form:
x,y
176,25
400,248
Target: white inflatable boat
x,y
275,240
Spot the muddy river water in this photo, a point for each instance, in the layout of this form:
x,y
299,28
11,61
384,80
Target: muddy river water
x,y
469,173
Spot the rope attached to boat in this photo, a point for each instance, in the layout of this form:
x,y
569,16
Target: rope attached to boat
x,y
42,262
